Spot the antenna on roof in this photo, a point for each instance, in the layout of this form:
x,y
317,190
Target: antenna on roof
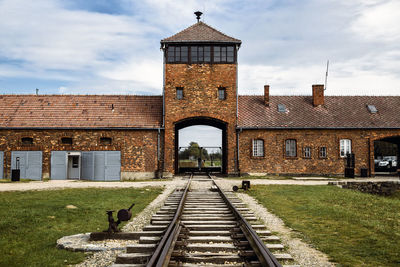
x,y
326,75
198,15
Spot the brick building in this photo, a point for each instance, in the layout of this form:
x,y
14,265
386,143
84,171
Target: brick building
x,y
127,137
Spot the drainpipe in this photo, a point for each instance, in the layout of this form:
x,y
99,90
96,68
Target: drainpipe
x,y
237,150
163,94
159,175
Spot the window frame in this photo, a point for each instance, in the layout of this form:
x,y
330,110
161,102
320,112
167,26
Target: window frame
x,y
179,96
307,152
206,55
256,145
62,139
221,89
27,141
102,140
347,145
320,152
292,141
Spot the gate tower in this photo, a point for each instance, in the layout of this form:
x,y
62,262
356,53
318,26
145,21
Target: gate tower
x,y
200,88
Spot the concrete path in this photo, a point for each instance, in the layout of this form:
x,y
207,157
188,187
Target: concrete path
x,y
60,184
228,183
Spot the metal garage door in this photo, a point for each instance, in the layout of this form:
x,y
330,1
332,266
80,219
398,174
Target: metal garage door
x,y
113,166
30,164
58,165
88,165
1,164
101,165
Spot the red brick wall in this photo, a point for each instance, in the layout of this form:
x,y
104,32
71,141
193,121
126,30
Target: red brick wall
x,y
138,148
200,83
275,162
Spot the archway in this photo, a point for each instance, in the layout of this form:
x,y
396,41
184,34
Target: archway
x,y
210,158
387,155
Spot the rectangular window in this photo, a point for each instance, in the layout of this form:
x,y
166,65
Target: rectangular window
x,y
193,52
184,54
217,54
179,93
105,141
179,54
230,56
221,93
171,54
291,149
307,152
66,140
345,147
207,53
258,148
322,152
27,140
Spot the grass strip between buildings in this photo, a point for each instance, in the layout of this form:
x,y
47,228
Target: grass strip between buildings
x,y
32,221
352,228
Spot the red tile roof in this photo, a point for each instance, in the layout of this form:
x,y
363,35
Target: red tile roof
x,y
338,112
200,32
80,111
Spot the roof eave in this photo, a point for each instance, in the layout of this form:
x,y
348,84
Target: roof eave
x,y
312,128
201,42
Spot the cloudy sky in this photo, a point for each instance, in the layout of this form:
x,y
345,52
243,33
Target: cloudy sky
x,y
112,46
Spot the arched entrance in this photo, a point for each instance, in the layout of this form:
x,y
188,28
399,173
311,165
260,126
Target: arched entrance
x,y
223,150
387,155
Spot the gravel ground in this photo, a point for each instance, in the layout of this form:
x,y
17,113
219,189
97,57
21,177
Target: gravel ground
x,y
60,184
301,252
106,258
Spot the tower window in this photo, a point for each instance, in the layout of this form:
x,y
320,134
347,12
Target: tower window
x,y
177,54
200,54
179,93
224,54
221,93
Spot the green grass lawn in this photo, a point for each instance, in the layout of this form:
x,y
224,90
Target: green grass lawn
x,y
353,228
32,221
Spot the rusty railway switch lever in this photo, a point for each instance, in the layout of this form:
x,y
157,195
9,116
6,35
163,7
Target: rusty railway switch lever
x,y
245,186
123,215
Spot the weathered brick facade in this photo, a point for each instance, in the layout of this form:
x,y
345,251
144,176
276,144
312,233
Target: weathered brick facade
x,y
138,148
276,162
200,83
200,60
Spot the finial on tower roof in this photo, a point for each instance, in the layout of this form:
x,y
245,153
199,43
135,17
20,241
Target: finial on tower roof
x,y
198,15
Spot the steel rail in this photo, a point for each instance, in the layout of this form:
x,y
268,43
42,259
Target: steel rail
x,y
164,249
265,256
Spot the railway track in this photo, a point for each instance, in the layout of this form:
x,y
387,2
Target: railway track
x,y
200,225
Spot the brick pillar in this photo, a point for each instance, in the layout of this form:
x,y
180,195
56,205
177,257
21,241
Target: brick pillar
x,y
318,94
266,95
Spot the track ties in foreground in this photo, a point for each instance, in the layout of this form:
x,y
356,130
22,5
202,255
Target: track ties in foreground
x,y
210,233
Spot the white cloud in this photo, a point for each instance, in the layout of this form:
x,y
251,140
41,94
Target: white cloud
x,y
284,44
379,23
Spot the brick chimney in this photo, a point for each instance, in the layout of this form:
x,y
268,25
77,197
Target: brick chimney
x,y
266,95
318,94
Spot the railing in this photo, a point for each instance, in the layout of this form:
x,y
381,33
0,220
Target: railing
x,y
265,256
165,248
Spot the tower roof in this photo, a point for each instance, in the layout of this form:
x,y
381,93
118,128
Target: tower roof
x,y
200,32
